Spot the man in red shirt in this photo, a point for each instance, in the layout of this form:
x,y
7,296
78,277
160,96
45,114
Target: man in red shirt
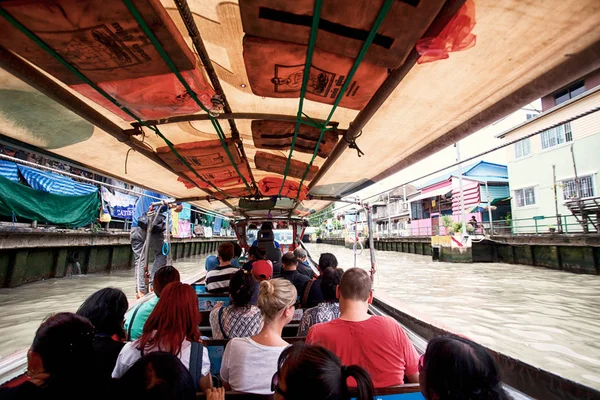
x,y
377,344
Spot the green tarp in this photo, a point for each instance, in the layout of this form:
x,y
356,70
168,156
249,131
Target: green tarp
x,y
22,201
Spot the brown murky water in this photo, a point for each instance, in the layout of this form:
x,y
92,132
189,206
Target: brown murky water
x,y
547,318
23,308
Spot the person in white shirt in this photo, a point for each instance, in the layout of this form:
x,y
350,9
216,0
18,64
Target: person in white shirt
x,y
249,363
172,327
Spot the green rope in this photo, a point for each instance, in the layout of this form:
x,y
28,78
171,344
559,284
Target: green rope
x,y
85,79
140,20
306,75
380,17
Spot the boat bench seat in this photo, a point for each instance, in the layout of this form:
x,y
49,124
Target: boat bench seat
x,y
409,391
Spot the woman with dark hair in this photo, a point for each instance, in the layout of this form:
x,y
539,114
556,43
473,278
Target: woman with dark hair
x,y
240,318
157,376
455,368
313,294
60,361
313,372
172,327
329,308
106,310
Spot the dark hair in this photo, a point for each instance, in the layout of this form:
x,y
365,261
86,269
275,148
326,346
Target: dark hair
x,y
241,288
225,251
237,249
288,259
331,279
456,368
327,260
158,375
106,310
163,277
256,252
64,343
266,226
355,285
314,372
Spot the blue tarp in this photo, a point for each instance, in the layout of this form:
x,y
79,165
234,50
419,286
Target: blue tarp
x,y
55,183
9,170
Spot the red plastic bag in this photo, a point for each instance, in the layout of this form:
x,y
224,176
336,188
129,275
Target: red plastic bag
x,y
456,36
152,97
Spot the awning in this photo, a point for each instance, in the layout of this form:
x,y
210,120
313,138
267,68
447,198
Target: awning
x,y
55,183
445,191
500,200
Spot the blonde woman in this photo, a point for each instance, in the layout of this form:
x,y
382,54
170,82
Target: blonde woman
x,y
249,363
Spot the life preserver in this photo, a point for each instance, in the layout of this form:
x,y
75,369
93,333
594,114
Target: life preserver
x,y
276,164
270,186
275,69
277,135
343,29
210,160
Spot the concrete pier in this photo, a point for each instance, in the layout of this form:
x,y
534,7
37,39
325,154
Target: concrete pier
x,y
575,253
28,255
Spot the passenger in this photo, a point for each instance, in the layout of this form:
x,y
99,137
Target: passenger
x,y
58,362
313,295
239,319
262,270
217,280
249,363
212,262
254,254
106,309
290,272
454,368
156,376
313,372
266,226
329,309
384,351
135,320
172,327
303,265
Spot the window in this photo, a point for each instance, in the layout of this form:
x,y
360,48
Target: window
x,y
529,116
586,185
555,136
572,91
525,197
522,148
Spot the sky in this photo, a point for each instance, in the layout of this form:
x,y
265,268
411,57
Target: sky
x,y
474,144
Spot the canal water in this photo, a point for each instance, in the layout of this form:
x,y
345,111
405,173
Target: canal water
x,y
549,319
546,318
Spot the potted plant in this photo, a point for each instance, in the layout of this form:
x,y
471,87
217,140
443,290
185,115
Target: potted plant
x,y
447,222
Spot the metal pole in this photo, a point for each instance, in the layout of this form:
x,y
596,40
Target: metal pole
x,y
371,243
487,193
355,235
389,225
558,219
462,196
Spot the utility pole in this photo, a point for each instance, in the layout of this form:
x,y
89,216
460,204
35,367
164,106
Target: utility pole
x,y
462,196
558,221
389,213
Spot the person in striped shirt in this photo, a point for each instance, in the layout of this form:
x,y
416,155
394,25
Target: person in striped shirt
x,y
217,280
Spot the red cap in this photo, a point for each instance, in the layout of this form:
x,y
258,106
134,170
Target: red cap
x,y
262,269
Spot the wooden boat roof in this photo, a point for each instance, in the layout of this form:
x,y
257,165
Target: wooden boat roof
x,y
523,50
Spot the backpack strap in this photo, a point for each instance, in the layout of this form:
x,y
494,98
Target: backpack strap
x,y
304,300
133,319
196,355
221,323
